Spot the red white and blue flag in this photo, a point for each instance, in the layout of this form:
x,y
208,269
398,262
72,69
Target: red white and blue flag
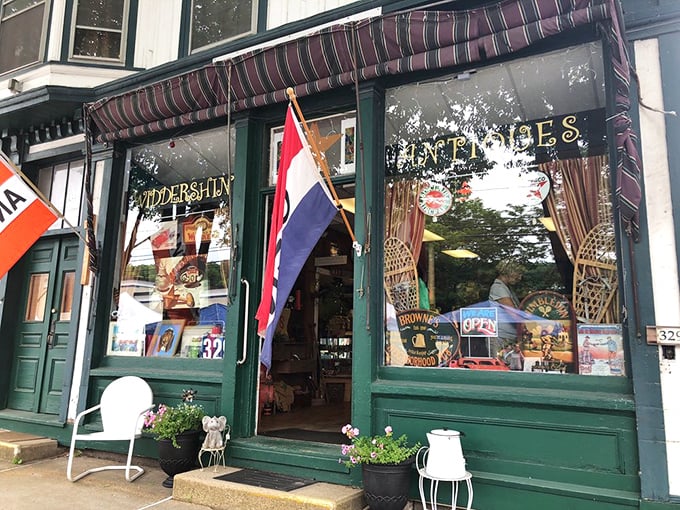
x,y
302,210
23,217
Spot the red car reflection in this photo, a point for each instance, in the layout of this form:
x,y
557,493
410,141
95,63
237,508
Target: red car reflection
x,y
478,364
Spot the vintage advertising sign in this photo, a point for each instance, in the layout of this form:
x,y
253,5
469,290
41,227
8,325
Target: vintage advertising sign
x,y
552,339
197,231
23,216
165,238
479,322
434,199
428,338
600,349
539,187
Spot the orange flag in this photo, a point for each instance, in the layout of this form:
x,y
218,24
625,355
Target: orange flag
x,y
23,217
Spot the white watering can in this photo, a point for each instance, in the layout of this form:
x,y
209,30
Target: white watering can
x,y
445,455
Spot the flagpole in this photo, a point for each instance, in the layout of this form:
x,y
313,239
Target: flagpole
x,y
324,167
40,194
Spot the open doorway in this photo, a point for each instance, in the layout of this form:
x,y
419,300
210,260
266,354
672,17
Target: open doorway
x,y
307,393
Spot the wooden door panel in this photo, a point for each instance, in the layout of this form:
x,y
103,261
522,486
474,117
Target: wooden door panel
x,y
53,373
52,389
30,340
22,391
42,335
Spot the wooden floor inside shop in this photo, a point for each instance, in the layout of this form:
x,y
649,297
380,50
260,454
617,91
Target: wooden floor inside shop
x,y
328,417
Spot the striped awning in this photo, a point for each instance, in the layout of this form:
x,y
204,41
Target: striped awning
x,y
381,46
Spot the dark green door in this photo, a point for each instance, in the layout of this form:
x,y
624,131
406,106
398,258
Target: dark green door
x,y
42,333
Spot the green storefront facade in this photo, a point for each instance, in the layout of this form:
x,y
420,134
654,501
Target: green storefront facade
x,y
532,440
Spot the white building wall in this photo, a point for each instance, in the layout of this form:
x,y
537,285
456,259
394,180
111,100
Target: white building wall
x,y
280,12
664,261
157,37
58,15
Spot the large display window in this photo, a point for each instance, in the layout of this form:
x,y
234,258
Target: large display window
x,y
175,252
499,248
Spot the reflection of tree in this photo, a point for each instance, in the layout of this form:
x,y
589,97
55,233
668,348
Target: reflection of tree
x,y
509,116
147,273
493,235
139,181
217,20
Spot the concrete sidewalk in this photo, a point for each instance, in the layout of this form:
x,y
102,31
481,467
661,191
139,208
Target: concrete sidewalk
x,y
42,484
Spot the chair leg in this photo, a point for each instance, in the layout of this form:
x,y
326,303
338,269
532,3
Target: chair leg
x,y
128,467
69,465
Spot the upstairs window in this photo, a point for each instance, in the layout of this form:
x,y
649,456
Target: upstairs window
x,y
62,184
22,29
99,29
216,21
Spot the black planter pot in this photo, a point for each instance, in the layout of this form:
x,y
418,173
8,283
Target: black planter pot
x,y
178,460
386,486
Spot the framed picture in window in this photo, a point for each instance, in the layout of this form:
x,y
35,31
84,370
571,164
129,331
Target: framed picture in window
x,y
166,338
125,340
275,155
347,152
192,340
600,349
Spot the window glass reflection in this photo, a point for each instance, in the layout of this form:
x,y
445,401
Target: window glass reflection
x,y
67,287
499,239
37,297
176,258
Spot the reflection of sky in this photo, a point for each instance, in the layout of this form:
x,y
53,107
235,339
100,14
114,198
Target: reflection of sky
x,y
502,186
537,87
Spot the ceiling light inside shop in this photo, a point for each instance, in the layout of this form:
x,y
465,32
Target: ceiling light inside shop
x,y
548,223
348,205
461,253
431,236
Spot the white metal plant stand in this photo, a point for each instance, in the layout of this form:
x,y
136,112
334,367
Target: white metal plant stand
x,y
434,483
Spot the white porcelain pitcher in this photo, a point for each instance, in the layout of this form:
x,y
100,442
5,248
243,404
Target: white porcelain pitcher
x,y
445,456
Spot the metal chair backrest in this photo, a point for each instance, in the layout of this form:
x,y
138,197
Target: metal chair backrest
x,y
121,404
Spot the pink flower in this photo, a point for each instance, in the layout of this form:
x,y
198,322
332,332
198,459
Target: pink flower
x,y
149,418
388,431
346,448
374,455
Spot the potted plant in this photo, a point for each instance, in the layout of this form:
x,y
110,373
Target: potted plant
x,y
177,430
386,462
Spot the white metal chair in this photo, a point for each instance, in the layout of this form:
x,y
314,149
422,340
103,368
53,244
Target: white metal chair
x,y
122,409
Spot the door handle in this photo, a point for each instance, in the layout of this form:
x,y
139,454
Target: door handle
x,y
245,323
53,325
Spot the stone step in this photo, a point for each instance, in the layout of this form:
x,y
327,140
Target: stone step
x,y
200,487
17,447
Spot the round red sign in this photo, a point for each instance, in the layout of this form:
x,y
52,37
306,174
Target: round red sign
x,y
434,199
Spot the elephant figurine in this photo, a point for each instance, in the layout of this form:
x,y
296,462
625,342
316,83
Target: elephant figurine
x,y
214,426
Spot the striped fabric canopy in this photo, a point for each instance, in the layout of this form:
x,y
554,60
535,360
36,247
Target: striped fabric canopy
x,y
381,46
385,45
